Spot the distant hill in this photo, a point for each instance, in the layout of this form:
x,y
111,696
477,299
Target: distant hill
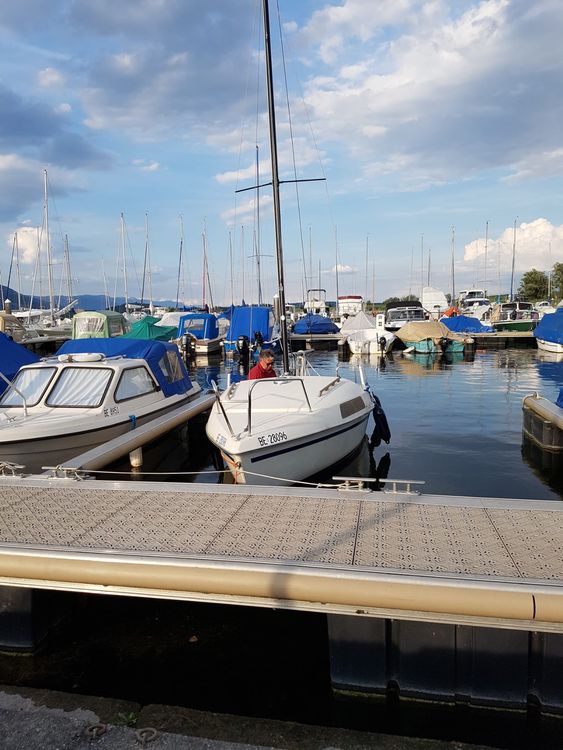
x,y
85,301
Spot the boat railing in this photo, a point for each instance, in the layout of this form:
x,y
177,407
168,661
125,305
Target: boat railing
x,y
12,387
256,383
221,407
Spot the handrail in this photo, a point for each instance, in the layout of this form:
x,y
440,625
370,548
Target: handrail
x,y
329,385
272,380
13,388
220,405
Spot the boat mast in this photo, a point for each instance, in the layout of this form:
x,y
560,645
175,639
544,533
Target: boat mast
x,y
486,252
49,249
275,185
513,257
453,267
124,259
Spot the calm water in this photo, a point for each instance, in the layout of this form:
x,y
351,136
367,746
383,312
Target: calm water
x,y
456,423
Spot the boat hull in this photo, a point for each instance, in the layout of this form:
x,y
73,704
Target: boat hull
x,y
550,346
428,346
64,444
515,325
316,453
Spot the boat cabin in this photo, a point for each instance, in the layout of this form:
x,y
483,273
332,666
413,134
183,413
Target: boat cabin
x,y
99,324
396,317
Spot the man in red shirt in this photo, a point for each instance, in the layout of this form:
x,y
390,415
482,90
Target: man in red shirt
x,y
265,366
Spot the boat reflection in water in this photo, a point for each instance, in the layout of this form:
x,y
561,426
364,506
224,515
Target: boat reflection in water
x,y
546,465
413,363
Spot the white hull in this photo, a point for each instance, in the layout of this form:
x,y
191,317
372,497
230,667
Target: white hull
x,y
549,346
359,345
299,426
68,437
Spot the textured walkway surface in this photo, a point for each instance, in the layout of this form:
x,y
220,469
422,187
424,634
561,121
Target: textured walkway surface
x,y
318,536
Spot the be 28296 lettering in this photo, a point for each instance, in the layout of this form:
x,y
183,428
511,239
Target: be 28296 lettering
x,y
272,439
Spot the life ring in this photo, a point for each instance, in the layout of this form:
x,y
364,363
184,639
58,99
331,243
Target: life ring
x,y
81,357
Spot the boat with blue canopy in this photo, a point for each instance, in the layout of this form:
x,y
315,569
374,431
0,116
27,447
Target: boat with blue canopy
x,y
549,332
91,391
12,357
198,333
252,327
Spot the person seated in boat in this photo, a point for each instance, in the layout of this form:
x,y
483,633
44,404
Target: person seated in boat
x,y
265,366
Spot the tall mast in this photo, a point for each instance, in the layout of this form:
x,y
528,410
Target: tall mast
x,y
486,251
336,266
258,225
367,260
18,270
49,249
453,267
124,260
180,259
513,257
275,184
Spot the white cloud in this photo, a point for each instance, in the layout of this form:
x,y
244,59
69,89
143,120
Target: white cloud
x,y
63,108
341,269
50,78
539,244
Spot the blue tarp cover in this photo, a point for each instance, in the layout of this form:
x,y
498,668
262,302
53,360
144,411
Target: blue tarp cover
x,y
550,327
315,324
200,325
465,324
12,357
245,321
559,401
158,354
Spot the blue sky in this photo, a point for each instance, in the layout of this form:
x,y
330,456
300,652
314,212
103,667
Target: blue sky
x,y
423,116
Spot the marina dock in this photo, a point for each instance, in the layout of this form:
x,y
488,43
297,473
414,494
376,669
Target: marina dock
x,y
446,559
420,593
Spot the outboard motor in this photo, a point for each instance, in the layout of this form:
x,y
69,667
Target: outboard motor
x,y
243,346
382,343
258,339
443,343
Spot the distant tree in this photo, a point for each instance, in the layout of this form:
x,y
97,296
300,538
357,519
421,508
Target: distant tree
x,y
533,286
399,301
557,282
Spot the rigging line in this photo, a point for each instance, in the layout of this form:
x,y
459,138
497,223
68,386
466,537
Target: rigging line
x,y
130,248
292,146
256,25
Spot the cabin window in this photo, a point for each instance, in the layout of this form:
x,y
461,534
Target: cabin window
x,y
31,382
116,327
170,364
134,382
80,387
88,326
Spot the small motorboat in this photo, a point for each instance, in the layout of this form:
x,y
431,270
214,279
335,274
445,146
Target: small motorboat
x,y
549,332
277,431
366,334
198,333
514,316
93,390
252,327
432,336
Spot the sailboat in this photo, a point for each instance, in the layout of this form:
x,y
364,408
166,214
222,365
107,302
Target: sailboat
x,y
285,429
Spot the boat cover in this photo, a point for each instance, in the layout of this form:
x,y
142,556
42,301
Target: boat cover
x,y
465,324
419,330
12,357
315,324
163,358
147,329
550,327
245,321
559,401
434,300
358,322
200,325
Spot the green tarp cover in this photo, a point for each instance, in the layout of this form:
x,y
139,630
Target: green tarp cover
x,y
146,329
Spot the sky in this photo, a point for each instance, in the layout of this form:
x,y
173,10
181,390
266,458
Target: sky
x,y
423,132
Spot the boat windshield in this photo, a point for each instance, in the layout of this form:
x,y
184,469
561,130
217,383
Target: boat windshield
x,y
80,387
31,382
134,382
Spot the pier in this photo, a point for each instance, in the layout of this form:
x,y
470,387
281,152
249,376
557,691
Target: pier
x,y
461,580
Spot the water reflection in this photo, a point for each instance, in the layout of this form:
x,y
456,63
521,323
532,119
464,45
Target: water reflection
x,y
547,465
459,430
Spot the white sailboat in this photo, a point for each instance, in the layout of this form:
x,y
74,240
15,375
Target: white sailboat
x,y
284,429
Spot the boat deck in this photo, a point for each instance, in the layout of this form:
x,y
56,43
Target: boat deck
x,y
438,558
